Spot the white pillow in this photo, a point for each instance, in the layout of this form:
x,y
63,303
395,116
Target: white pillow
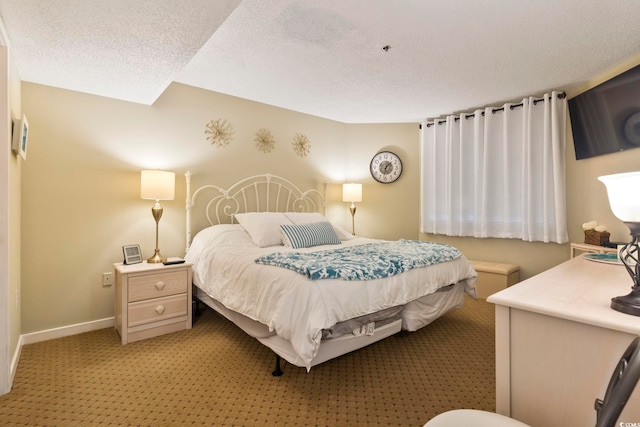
x,y
305,217
311,217
220,234
263,227
308,235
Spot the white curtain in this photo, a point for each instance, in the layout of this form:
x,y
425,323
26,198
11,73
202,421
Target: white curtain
x,y
497,172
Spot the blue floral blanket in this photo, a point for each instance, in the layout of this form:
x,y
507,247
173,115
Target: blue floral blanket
x,y
363,262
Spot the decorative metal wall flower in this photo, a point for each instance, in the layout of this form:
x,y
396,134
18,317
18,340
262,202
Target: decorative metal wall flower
x,y
264,140
220,132
301,145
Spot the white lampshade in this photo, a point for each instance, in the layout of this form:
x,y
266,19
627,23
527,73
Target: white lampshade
x,y
157,185
352,192
623,190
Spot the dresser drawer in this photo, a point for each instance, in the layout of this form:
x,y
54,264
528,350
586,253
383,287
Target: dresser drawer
x,y
157,285
142,312
151,299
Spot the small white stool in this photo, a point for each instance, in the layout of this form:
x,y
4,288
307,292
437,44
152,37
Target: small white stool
x,y
472,417
494,276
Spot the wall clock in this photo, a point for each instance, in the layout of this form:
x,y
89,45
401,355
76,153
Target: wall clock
x,y
385,167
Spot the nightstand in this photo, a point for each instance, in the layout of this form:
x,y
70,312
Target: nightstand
x,y
152,300
579,248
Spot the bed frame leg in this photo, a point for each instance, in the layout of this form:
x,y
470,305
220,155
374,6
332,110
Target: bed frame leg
x,y
278,371
195,309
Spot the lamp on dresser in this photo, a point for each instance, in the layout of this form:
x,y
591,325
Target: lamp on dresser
x,y
157,185
624,198
352,193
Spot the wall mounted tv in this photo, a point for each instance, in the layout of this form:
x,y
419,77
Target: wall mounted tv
x,y
606,118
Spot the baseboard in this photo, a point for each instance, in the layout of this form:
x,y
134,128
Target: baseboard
x,y
14,361
66,331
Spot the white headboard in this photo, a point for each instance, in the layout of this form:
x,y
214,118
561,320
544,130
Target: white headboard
x,y
258,193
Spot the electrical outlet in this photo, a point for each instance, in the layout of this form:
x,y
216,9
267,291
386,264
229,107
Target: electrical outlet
x,y
107,279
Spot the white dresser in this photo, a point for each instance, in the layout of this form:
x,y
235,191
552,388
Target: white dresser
x,y
558,341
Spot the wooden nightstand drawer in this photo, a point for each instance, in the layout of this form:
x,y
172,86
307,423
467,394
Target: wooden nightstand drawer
x,y
152,300
157,309
157,285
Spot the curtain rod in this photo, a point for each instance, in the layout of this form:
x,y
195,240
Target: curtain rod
x,y
493,111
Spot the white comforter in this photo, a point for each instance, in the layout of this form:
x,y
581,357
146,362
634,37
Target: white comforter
x,y
293,306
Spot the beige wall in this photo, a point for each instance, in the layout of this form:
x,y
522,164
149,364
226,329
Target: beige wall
x,y
5,315
387,211
15,190
81,199
586,200
80,187
9,222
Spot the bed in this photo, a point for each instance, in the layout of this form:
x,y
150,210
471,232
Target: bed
x,y
260,259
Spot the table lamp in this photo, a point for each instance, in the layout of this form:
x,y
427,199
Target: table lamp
x,y
352,193
624,199
157,185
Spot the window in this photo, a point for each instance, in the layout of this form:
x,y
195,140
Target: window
x,y
498,172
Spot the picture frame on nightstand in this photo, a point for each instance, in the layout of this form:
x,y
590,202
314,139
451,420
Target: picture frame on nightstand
x,y
132,254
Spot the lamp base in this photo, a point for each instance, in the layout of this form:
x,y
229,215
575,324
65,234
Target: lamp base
x,y
628,304
352,209
156,258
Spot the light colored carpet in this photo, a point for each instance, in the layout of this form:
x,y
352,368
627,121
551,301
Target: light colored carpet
x,y
216,375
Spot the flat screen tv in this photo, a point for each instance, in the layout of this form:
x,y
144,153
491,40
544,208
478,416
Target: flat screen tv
x,y
606,118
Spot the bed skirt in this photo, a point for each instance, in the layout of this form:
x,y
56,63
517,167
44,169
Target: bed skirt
x,y
413,316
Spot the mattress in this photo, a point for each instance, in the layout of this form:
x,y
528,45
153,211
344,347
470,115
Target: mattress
x,y
296,308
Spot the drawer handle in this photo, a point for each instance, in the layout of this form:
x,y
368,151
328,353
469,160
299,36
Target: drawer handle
x,y
160,309
160,285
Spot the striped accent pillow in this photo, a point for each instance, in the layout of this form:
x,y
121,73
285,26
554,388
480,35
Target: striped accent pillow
x,y
308,235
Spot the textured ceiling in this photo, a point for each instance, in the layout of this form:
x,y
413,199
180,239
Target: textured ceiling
x,y
124,49
324,58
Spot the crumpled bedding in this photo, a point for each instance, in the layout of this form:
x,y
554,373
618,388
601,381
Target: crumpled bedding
x,y
290,304
363,262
